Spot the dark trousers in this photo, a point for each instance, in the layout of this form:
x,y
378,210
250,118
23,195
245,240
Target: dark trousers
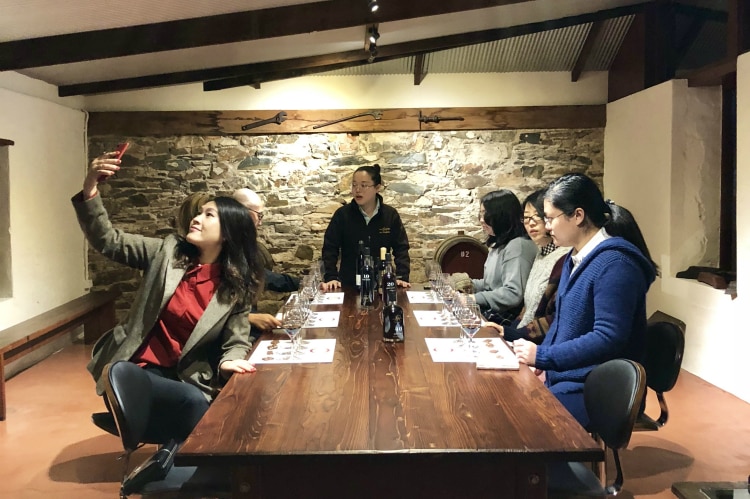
x,y
176,406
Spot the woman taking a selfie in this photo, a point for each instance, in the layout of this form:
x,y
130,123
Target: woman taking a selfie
x,y
187,327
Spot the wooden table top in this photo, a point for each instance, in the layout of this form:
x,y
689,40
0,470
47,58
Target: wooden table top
x,y
378,398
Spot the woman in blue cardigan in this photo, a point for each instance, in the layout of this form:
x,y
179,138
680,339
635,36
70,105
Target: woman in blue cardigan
x,y
601,299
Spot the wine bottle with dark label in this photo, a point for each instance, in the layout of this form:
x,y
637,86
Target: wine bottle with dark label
x,y
360,263
367,287
389,285
393,323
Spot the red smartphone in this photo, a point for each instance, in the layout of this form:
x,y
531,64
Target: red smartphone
x,y
121,148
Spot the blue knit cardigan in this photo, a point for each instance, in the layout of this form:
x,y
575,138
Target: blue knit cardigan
x,y
601,314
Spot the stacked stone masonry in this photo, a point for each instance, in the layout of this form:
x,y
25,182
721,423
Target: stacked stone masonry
x,y
434,179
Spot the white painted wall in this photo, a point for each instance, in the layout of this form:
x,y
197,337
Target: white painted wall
x,y
662,161
47,165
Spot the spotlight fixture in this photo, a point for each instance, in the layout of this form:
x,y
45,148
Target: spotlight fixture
x,y
373,34
373,5
373,52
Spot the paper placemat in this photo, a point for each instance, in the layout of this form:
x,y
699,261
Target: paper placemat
x,y
449,350
435,318
329,299
496,354
278,352
421,297
322,319
487,353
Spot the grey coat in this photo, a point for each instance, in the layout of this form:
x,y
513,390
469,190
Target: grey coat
x,y
505,273
221,333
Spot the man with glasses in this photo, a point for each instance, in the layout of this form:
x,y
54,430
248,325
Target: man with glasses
x,y
274,281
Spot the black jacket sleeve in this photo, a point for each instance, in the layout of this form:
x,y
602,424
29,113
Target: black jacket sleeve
x,y
332,246
281,282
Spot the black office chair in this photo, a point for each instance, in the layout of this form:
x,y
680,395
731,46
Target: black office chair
x,y
665,345
613,392
126,387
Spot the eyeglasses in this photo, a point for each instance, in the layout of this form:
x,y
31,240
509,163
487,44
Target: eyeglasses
x,y
258,213
534,218
548,220
361,186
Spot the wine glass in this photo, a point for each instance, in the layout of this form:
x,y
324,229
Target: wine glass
x,y
292,319
470,319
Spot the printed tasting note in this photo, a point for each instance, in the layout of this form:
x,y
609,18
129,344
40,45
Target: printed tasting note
x,y
421,297
280,352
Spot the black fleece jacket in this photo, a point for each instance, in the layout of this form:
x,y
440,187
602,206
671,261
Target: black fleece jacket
x,y
347,227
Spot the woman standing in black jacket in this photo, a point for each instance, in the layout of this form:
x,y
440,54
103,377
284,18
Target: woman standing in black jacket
x,y
366,218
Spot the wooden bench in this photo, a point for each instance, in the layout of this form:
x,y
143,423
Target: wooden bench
x,y
95,310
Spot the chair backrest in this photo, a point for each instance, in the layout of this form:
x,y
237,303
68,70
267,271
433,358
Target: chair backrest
x,y
665,345
130,386
613,392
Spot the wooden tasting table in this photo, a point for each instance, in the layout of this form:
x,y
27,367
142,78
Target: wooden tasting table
x,y
384,420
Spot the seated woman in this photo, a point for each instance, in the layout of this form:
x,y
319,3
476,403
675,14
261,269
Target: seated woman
x,y
499,293
187,329
601,299
541,288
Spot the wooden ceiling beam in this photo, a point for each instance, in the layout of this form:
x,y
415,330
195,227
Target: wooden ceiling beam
x,y
586,49
165,123
248,74
225,28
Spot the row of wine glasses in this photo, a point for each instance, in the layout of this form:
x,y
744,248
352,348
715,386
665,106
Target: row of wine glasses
x,y
297,309
456,305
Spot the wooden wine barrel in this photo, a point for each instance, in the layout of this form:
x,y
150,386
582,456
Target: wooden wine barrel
x,y
462,253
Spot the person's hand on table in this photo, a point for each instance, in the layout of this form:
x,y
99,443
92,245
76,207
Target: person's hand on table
x,y
496,326
264,322
330,285
236,366
525,351
402,284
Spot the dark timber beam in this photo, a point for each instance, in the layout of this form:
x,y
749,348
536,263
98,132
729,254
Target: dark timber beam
x,y
588,47
225,28
159,124
419,69
249,74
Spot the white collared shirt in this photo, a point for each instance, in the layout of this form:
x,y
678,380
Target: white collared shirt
x,y
598,238
377,208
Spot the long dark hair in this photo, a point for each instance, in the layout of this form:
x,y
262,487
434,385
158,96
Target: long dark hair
x,y
576,190
373,171
241,268
503,212
622,223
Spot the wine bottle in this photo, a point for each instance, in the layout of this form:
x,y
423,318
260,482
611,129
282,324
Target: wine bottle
x,y
367,287
389,282
381,271
393,323
360,264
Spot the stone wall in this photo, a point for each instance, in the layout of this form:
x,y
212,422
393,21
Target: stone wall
x,y
434,179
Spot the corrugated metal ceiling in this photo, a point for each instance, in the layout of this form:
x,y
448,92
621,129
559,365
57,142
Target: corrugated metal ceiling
x,y
554,50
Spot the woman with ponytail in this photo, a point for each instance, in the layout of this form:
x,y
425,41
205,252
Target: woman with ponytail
x,y
601,298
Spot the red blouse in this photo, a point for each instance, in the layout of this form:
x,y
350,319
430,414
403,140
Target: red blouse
x,y
164,343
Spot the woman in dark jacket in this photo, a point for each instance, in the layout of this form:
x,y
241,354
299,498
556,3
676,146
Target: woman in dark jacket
x,y
366,218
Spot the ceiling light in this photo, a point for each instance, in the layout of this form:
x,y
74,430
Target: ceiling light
x,y
372,5
373,34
